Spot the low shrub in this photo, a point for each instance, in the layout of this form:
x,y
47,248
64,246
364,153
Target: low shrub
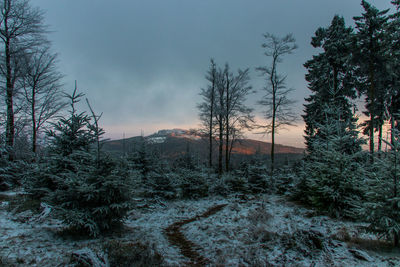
x,y
192,183
126,254
92,200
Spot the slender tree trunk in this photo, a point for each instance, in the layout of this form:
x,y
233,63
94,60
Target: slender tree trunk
x,y
380,139
34,129
395,180
227,150
221,137
396,235
221,128
273,131
372,111
211,125
10,128
273,143
395,172
274,108
392,125
210,148
233,139
372,100
227,133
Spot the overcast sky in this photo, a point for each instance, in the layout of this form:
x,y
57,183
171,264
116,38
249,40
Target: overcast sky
x,y
142,63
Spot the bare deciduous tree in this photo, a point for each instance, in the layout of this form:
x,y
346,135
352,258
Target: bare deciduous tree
x,y
237,115
223,112
41,83
278,106
206,108
21,28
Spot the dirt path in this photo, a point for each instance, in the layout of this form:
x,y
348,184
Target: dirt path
x,y
187,247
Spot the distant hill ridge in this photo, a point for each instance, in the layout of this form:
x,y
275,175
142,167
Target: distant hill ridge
x,y
173,142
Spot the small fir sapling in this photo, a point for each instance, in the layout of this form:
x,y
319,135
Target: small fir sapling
x,y
89,190
141,160
192,183
255,172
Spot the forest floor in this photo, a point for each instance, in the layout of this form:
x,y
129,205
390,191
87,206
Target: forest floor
x,y
239,230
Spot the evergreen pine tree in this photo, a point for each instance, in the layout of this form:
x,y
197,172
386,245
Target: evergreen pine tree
x,y
141,159
370,56
333,174
330,80
394,70
382,205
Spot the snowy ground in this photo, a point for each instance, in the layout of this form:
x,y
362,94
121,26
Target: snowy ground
x,y
261,230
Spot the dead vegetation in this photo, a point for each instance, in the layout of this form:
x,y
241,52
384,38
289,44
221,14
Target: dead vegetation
x,y
354,239
126,254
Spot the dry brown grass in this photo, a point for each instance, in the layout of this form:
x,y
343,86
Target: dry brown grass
x,y
363,243
259,215
373,245
126,254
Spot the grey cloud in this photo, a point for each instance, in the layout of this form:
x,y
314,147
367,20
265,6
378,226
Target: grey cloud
x,y
142,61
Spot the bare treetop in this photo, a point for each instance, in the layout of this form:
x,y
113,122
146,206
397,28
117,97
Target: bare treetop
x,y
278,107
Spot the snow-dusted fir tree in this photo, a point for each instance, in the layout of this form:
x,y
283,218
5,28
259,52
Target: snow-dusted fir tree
x,y
90,192
333,174
382,205
11,172
141,159
330,80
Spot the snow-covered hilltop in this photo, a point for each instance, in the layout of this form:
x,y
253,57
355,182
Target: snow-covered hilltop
x,y
162,135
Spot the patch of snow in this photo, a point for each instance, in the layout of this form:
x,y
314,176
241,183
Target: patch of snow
x,y
263,230
150,224
156,140
13,193
45,212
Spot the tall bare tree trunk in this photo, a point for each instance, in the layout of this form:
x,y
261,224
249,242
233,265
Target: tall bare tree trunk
x,y
380,139
221,139
211,125
227,126
274,107
392,122
273,142
396,235
34,129
10,130
372,113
